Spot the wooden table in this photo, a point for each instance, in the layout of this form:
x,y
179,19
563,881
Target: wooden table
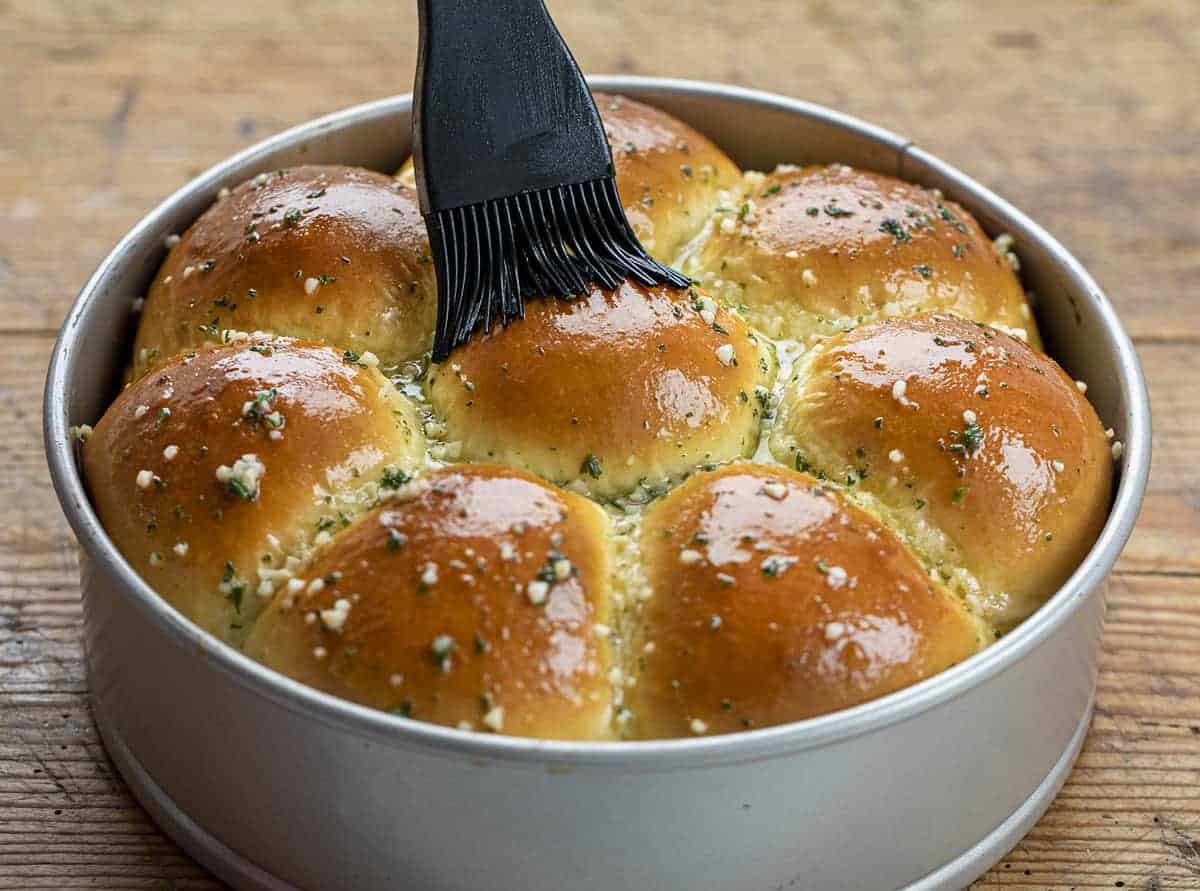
x,y
1084,114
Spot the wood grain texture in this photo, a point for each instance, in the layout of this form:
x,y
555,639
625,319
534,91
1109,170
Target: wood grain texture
x,y
1085,114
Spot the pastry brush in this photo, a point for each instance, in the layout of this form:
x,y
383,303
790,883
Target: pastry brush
x,y
514,173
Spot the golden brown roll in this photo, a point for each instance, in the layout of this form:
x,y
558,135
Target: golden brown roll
x,y
337,254
640,384
213,471
981,451
813,250
774,600
670,177
472,599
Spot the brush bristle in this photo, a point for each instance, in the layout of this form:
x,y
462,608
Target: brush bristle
x,y
491,256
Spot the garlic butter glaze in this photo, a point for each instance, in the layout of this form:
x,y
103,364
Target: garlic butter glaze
x,y
670,177
645,407
610,388
222,468
470,598
329,253
806,248
775,601
975,446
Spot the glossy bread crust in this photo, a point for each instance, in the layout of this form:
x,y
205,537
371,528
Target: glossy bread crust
x,y
982,451
670,177
641,384
772,600
304,437
471,598
336,254
809,250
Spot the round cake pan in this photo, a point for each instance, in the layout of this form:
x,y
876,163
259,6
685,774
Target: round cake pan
x,y
273,785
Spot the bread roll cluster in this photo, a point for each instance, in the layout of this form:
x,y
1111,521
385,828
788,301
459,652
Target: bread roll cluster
x,y
836,465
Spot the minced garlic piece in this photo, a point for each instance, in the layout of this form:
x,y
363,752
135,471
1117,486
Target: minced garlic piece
x,y
775,490
834,630
243,478
536,591
429,575
836,577
494,719
335,618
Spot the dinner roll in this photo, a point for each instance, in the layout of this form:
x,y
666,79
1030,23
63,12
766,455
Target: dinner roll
x,y
774,600
470,599
214,470
337,254
613,388
811,250
670,177
980,450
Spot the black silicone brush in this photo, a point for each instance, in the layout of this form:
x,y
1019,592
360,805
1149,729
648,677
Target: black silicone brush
x,y
513,169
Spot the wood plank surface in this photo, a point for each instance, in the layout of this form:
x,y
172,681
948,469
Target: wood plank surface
x,y
1085,114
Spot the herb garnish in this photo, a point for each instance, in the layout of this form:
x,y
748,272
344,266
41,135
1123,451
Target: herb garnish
x,y
591,466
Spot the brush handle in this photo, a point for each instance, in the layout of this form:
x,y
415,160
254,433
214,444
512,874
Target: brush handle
x,y
500,107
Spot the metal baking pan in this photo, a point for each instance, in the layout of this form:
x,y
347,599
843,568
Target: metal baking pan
x,y
273,785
